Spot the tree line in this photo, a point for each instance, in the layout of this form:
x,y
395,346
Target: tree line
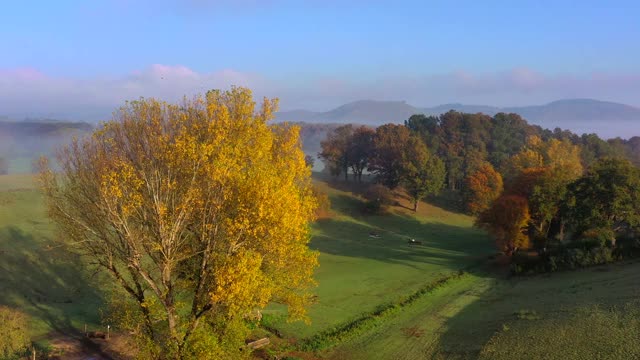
x,y
395,154
529,187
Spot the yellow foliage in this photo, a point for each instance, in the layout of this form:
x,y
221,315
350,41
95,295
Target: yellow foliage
x,y
562,157
525,159
240,285
205,198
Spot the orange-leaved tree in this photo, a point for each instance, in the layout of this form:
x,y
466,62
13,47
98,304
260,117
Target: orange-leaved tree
x,y
507,220
483,186
198,211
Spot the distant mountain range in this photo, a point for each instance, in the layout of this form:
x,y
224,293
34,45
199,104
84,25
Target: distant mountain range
x,y
608,119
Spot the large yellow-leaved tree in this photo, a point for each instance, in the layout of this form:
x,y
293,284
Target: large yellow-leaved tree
x,y
200,212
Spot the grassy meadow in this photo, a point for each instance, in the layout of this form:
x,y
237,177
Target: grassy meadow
x,y
574,315
482,314
377,298
358,273
35,276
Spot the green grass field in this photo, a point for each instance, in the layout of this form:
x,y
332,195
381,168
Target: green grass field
x,y
483,314
35,276
591,313
563,316
357,273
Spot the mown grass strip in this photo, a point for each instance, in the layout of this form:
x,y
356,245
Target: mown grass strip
x,y
341,333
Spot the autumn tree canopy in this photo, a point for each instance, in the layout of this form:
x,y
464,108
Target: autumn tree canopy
x,y
335,150
360,150
199,212
389,149
507,220
483,186
347,148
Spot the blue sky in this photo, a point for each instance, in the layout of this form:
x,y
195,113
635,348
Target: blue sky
x,y
317,54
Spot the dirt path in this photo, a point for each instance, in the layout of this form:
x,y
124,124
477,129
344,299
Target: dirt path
x,y
73,345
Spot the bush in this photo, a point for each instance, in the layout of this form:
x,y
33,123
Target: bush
x,y
594,238
323,202
552,264
377,199
578,258
14,341
568,257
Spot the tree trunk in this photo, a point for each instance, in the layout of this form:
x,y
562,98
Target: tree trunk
x,y
415,205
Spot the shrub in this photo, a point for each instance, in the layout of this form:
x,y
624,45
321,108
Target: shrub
x,y
323,202
15,339
377,199
567,257
552,264
598,237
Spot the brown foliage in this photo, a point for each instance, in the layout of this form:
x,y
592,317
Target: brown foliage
x,y
335,150
390,148
378,199
525,182
506,220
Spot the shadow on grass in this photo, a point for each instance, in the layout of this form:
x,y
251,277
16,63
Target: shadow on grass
x,y
465,333
440,243
48,284
352,186
448,200
551,298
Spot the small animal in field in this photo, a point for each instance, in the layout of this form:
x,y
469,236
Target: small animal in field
x,y
414,242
